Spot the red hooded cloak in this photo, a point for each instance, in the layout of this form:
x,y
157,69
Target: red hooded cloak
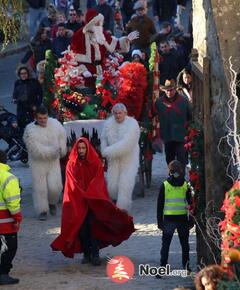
x,y
85,189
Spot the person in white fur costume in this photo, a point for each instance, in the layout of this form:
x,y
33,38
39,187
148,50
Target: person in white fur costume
x,y
119,144
46,141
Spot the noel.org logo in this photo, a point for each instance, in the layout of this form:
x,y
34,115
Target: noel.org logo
x,y
120,269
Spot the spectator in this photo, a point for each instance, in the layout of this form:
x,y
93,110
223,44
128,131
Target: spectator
x,y
37,49
174,112
126,10
119,144
62,41
143,24
80,17
209,277
172,212
62,6
72,23
50,22
107,11
27,95
184,83
170,65
164,10
91,4
137,56
61,18
36,13
90,220
46,142
10,219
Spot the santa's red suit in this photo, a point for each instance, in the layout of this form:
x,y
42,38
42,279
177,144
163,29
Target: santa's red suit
x,y
91,54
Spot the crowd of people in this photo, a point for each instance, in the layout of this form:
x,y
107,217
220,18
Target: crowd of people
x,y
85,227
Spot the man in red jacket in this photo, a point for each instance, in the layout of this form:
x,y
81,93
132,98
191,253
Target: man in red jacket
x,y
10,219
90,220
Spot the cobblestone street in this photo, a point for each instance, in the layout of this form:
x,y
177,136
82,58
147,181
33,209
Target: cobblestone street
x,y
40,268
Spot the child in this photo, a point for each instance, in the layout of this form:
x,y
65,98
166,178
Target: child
x,y
172,212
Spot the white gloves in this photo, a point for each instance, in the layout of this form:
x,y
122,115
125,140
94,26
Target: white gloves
x,y
87,74
133,35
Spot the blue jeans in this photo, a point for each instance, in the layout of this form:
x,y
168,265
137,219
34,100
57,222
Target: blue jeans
x,y
183,234
35,17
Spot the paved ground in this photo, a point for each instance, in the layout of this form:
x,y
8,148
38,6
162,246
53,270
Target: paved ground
x,y
40,268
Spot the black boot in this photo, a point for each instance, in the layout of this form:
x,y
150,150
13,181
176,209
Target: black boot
x,y
5,279
52,209
86,259
96,261
42,216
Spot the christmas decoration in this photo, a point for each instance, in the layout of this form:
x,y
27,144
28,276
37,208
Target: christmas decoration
x,y
50,64
194,146
230,226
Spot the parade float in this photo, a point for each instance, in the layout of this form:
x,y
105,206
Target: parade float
x,y
83,109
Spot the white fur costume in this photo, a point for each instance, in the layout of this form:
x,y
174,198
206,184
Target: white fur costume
x,y
45,146
119,144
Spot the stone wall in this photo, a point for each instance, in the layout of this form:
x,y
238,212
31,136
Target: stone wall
x,y
216,32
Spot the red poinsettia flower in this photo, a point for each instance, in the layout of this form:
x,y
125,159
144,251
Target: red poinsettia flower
x,y
193,133
237,200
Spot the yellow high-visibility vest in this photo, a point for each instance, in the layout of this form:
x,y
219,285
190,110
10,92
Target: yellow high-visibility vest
x,y
175,199
9,191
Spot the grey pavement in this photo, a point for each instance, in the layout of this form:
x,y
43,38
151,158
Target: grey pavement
x,y
40,268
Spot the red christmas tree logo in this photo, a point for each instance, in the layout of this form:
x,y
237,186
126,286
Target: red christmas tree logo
x,y
120,269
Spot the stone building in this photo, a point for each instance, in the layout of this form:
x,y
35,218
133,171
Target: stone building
x,y
216,32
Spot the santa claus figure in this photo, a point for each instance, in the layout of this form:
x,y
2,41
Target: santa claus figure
x,y
92,44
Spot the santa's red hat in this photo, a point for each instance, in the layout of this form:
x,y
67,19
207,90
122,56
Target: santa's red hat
x,y
91,18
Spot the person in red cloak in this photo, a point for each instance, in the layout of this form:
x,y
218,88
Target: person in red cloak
x,y
90,220
92,44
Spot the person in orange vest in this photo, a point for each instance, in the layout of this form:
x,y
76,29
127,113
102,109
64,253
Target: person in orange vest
x,y
10,219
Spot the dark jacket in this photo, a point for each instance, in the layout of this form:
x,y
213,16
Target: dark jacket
x,y
73,26
27,93
37,3
91,4
37,49
108,14
146,28
173,116
60,44
161,200
164,9
170,65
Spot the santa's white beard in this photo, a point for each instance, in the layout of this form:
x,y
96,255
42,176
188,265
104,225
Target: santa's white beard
x,y
98,35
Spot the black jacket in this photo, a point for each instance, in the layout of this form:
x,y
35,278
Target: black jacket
x,y
164,9
170,66
37,49
73,26
37,3
27,93
108,14
60,44
161,200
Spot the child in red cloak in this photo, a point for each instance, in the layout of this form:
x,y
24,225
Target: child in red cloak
x,y
90,220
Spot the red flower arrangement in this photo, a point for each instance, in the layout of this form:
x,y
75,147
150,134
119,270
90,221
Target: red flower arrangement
x,y
132,87
230,226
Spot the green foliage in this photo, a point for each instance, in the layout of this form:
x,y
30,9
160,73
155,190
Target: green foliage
x,y
10,19
51,63
89,112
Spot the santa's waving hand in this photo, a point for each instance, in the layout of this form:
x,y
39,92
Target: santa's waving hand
x,y
91,45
